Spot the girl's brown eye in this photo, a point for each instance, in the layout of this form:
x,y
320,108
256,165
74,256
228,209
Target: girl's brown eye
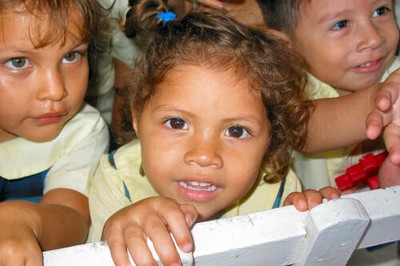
x,y
176,123
237,132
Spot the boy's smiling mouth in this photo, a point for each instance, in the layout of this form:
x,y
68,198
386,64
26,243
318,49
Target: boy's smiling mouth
x,y
370,66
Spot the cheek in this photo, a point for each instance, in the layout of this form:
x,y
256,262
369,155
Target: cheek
x,y
156,159
246,175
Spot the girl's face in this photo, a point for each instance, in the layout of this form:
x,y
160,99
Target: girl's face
x,y
203,138
347,43
41,89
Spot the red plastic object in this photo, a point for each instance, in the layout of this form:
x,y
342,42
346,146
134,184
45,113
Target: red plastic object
x,y
363,173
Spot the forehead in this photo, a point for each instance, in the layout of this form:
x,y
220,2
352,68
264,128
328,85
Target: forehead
x,y
321,7
37,28
200,82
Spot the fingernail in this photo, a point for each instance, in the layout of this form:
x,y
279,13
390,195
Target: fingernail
x,y
189,221
187,248
218,4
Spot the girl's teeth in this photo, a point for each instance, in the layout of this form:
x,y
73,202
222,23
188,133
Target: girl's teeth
x,y
198,186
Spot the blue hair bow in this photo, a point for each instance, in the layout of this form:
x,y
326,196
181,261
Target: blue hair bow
x,y
166,16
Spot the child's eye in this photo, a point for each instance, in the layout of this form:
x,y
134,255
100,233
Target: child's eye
x,y
237,132
340,25
71,57
381,11
17,63
176,123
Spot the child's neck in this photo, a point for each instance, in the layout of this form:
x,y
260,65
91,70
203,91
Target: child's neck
x,y
343,92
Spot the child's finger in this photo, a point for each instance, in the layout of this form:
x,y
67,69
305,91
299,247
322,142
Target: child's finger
x,y
392,141
156,231
118,249
297,199
212,3
389,174
374,125
385,95
314,198
190,212
173,221
179,219
330,193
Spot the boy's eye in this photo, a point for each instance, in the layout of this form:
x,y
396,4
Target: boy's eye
x,y
381,11
17,63
340,25
71,57
176,123
237,132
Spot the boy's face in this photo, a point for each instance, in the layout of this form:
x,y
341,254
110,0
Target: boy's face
x,y
347,43
203,138
40,88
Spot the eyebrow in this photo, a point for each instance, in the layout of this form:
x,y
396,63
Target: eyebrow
x,y
334,16
229,120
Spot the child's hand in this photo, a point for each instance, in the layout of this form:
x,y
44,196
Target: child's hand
x,y
154,218
389,174
310,198
18,243
386,116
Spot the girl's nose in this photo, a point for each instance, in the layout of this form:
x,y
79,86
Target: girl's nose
x,y
204,151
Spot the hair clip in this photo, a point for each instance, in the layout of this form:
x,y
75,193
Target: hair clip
x,y
166,16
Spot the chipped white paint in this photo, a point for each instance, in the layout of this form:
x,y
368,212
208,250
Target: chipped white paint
x,y
326,235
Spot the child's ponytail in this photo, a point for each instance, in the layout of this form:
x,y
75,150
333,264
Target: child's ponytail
x,y
146,16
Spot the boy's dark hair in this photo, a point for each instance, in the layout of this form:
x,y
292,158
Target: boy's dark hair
x,y
222,44
58,13
281,15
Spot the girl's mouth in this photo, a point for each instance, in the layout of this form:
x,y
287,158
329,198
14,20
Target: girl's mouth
x,y
198,186
198,191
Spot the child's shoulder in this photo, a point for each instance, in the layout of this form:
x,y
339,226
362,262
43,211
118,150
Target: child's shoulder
x,y
316,89
124,159
87,128
395,65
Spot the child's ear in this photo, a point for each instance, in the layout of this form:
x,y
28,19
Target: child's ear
x,y
135,121
281,35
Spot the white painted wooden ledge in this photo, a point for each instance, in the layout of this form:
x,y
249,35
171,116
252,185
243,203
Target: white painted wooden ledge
x,y
326,235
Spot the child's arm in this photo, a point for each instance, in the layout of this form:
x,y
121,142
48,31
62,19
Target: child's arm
x,y
60,219
154,218
353,118
310,198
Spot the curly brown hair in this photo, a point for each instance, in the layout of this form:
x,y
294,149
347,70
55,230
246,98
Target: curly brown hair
x,y
220,43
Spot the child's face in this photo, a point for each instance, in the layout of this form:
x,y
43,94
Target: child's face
x,y
40,89
203,138
347,43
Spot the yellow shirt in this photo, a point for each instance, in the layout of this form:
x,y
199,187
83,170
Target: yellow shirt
x,y
107,189
71,156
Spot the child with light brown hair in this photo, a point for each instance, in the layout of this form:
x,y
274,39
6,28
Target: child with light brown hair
x,y
50,140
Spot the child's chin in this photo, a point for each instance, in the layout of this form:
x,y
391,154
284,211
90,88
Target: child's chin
x,y
44,137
